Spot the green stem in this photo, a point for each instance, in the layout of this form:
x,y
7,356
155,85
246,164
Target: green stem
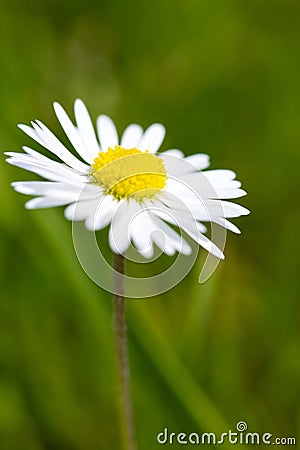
x,y
122,354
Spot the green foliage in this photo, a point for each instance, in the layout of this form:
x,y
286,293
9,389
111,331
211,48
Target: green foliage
x,y
224,79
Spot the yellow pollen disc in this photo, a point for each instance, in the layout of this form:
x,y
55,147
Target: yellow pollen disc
x,y
127,173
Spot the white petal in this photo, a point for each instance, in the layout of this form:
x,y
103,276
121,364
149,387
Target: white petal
x,y
41,187
173,239
70,212
199,188
204,209
186,184
185,207
152,138
206,243
189,228
230,209
213,209
107,132
176,187
173,152
85,127
219,176
147,231
201,228
60,173
103,215
49,188
45,202
158,210
200,160
221,183
176,212
175,167
40,158
224,184
82,210
140,230
230,193
86,153
58,197
146,227
131,136
188,224
31,133
52,143
119,238
34,157
228,225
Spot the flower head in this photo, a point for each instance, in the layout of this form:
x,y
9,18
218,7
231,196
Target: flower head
x,y
128,185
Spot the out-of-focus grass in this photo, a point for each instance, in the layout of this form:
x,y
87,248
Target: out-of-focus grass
x,y
223,78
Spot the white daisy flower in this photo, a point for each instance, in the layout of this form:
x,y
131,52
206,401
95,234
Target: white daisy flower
x,y
128,185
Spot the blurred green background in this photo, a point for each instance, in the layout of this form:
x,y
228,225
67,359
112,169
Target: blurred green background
x,y
223,76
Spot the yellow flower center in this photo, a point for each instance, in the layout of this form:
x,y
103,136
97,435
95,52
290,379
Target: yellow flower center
x,y
127,173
